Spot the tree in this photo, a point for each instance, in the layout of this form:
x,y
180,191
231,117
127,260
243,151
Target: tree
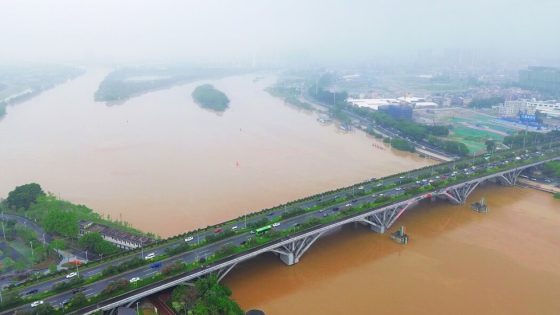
x,y
62,222
23,196
93,241
490,145
78,300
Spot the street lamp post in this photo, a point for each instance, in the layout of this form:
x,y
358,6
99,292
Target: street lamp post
x,y
3,231
31,244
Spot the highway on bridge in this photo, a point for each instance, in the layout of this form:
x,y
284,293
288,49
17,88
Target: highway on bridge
x,y
402,183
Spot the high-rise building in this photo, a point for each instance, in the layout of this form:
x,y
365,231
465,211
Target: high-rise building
x,y
543,79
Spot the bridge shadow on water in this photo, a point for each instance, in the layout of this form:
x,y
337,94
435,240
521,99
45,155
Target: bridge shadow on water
x,y
349,248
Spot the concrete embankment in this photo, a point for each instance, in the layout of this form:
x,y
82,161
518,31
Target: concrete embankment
x,y
539,186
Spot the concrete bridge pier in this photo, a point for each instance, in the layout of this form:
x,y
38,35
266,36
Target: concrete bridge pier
x,y
288,258
381,221
291,253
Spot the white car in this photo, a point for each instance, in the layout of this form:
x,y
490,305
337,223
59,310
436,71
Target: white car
x,y
188,239
276,224
348,205
71,275
233,228
150,256
135,279
37,303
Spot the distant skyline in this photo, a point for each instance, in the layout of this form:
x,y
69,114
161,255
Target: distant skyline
x,y
221,31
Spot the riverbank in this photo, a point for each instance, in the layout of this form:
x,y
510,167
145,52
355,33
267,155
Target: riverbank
x,y
166,166
538,186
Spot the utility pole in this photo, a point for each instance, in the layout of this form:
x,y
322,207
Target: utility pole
x,y
3,231
525,137
31,244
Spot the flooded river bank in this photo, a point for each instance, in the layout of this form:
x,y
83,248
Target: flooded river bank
x,y
165,165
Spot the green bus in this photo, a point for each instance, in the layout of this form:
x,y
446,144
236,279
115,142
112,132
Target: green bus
x,y
262,230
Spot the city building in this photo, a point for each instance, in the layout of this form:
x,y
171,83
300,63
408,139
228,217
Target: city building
x,y
401,111
119,238
529,107
375,103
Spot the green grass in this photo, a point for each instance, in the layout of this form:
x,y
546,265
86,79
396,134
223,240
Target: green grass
x,y
473,138
23,249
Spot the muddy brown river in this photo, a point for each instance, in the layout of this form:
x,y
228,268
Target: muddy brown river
x,y
165,165
457,262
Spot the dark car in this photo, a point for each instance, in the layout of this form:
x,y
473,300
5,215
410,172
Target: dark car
x,y
76,290
31,292
155,265
336,209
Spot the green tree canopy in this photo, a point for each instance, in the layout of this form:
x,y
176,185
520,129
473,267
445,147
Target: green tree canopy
x,y
209,97
23,196
94,242
490,145
61,222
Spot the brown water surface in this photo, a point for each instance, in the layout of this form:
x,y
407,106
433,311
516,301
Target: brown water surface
x,y
167,166
457,262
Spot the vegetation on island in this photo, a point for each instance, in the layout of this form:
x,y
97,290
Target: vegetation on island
x,y
125,83
209,97
207,296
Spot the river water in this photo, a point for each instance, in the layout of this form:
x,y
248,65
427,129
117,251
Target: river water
x,y
457,262
165,165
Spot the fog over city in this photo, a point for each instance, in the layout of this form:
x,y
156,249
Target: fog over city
x,y
270,157
217,31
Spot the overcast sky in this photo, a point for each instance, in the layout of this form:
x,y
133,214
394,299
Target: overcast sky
x,y
130,31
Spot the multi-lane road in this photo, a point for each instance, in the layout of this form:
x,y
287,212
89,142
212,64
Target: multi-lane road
x,y
430,175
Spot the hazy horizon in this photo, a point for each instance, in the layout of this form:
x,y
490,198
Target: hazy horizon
x,y
170,31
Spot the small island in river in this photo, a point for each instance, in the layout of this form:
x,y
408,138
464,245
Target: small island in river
x,y
209,97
